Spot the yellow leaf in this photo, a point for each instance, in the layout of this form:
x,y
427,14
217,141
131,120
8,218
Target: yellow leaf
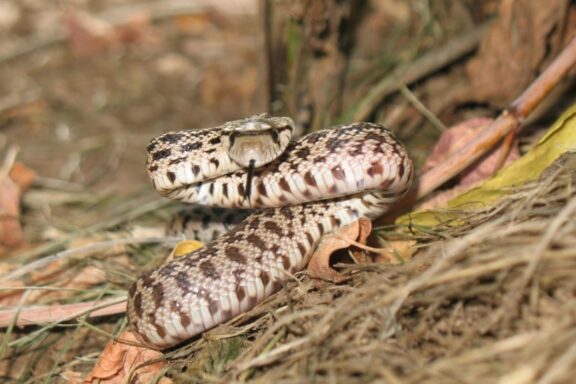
x,y
559,139
186,246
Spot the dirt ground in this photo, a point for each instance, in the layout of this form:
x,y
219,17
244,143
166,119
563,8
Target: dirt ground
x,y
85,85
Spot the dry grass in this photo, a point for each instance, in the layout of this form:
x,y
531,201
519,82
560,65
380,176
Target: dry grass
x,y
494,300
491,299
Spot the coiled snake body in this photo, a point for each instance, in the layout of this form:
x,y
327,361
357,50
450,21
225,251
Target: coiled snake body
x,y
318,183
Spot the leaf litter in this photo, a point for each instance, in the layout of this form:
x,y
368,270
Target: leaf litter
x,y
488,300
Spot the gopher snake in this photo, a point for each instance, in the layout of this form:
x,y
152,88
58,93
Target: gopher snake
x,y
320,182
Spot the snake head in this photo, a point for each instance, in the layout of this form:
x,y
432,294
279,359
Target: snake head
x,y
258,140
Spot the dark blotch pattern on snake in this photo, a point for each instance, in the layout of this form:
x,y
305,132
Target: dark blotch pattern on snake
x,y
320,182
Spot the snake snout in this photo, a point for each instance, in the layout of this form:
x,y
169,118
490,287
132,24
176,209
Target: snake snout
x,y
258,149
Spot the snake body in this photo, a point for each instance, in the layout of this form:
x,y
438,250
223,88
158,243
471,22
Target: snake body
x,y
320,182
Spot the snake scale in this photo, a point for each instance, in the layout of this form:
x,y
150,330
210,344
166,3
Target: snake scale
x,y
305,188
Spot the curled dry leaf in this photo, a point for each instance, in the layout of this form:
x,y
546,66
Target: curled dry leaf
x,y
319,265
452,140
353,237
123,361
11,188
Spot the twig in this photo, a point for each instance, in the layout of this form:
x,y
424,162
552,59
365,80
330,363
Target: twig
x,y
507,122
420,107
429,63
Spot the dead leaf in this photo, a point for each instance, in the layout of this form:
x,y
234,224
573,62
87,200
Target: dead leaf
x,y
11,188
123,361
452,140
558,140
137,30
56,275
352,237
42,314
197,23
515,48
184,247
59,274
22,176
364,230
89,36
319,265
10,231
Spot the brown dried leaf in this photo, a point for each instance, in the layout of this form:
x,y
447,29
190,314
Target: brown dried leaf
x,y
11,187
89,36
120,362
58,274
452,140
196,23
354,237
515,48
10,231
42,314
22,176
136,31
319,265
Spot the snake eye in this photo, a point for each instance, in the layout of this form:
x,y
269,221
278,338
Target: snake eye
x,y
275,136
232,137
